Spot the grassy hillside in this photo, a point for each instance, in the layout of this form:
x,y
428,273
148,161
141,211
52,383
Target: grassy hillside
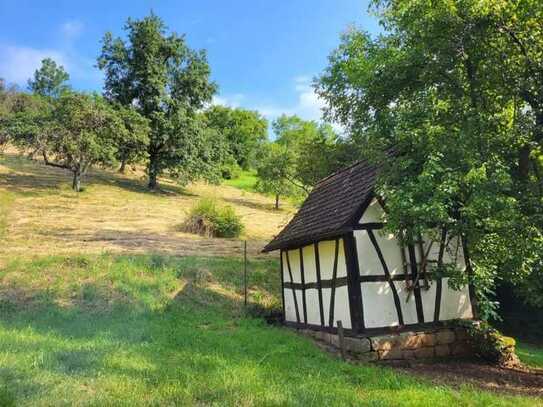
x,y
104,302
116,213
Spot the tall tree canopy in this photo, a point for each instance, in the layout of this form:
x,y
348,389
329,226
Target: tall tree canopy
x,y
49,80
314,147
245,131
72,132
454,88
168,83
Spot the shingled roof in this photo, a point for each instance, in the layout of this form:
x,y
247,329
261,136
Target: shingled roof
x,y
331,208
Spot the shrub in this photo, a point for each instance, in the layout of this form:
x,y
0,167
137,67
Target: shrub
x,y
230,170
209,219
489,344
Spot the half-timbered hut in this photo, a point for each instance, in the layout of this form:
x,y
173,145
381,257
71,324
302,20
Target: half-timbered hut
x,y
337,264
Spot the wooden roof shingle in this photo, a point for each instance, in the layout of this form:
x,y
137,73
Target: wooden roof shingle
x,y
332,207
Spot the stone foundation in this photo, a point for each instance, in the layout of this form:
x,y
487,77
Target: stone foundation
x,y
427,344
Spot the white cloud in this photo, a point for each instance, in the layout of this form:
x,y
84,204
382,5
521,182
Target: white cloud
x,y
18,64
233,101
71,29
308,105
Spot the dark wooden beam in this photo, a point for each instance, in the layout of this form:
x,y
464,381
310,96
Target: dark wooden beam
x,y
333,290
282,285
340,282
302,271
369,225
356,304
416,287
319,281
439,280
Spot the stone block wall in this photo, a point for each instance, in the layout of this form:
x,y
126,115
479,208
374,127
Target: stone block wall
x,y
427,344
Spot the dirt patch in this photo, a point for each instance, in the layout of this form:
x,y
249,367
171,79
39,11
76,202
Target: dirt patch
x,y
525,382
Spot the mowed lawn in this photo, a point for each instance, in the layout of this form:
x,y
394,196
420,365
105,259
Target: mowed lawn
x,y
104,302
157,330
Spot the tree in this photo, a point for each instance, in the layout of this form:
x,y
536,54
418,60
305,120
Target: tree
x,y
49,80
452,90
133,141
86,128
245,131
168,83
314,148
73,132
275,171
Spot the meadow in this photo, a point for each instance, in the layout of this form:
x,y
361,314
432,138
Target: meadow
x,y
104,302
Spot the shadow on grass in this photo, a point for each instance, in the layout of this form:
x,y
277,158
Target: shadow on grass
x,y
247,202
32,177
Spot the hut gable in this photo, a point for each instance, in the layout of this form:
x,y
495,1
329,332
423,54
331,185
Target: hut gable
x,y
333,207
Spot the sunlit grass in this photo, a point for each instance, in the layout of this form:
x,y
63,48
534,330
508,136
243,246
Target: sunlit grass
x,y
530,354
160,330
116,213
246,181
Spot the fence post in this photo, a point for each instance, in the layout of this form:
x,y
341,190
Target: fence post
x,y
341,340
245,271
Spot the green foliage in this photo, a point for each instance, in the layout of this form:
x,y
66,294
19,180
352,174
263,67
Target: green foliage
x,y
303,153
245,131
275,171
230,169
450,92
74,131
133,139
489,344
49,80
209,219
168,83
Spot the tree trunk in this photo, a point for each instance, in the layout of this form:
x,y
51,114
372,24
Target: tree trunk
x,y
276,201
153,172
122,168
76,183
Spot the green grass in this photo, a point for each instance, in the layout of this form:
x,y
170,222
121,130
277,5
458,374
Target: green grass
x,y
530,354
158,330
246,181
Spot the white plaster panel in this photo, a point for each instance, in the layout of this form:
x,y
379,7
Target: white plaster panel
x,y
326,293
409,308
341,306
428,301
326,256
290,309
310,269
391,251
454,304
341,262
379,308
342,312
294,258
373,213
368,261
327,252
312,304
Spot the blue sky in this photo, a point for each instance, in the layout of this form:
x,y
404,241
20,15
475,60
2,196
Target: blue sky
x,y
263,53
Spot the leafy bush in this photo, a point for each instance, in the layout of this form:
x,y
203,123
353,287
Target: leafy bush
x,y
230,170
209,219
489,344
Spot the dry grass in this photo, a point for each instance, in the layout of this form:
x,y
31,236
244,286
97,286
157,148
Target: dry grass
x,y
41,215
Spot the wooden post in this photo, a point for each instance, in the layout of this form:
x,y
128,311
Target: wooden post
x,y
341,339
245,271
